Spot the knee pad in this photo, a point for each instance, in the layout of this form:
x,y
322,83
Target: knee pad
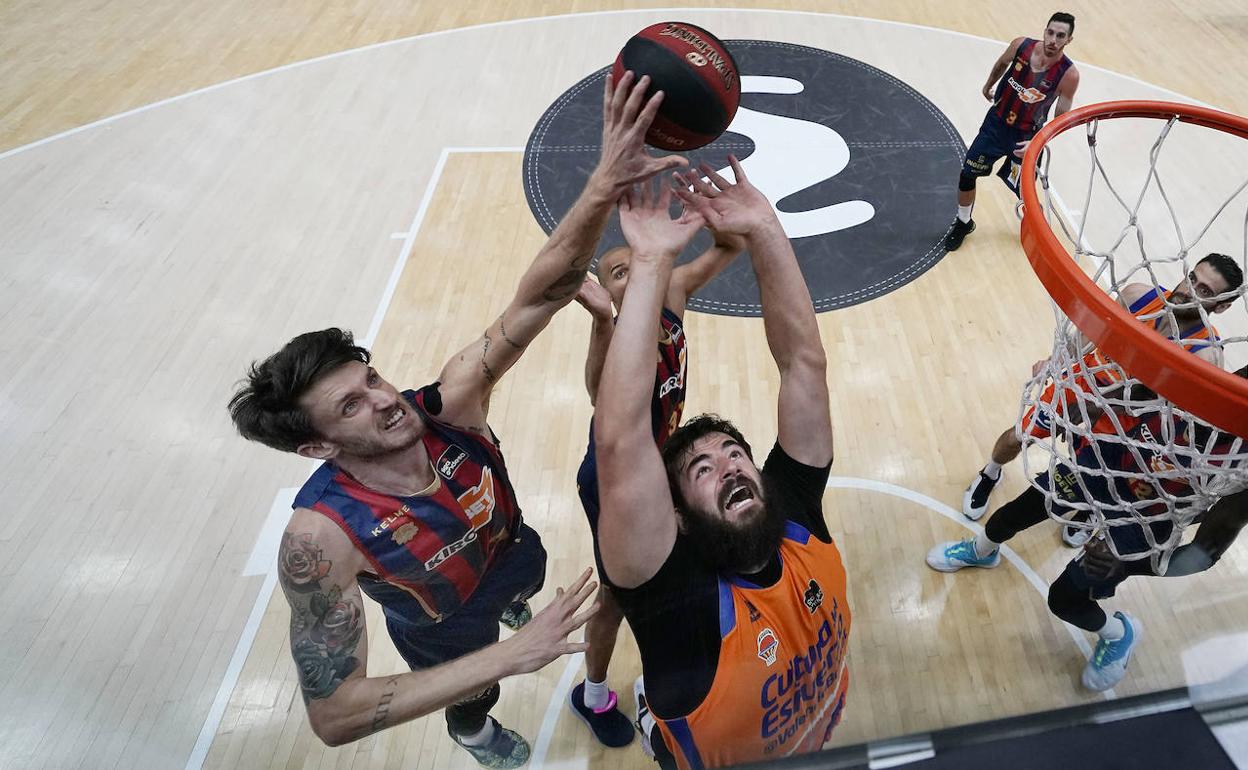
x,y
966,182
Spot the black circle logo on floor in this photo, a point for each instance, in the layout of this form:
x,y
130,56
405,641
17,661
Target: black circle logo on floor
x,y
861,168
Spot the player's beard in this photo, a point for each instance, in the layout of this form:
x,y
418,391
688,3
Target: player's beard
x,y
736,547
372,449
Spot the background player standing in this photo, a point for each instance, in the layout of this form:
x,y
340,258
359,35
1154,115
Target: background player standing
x,y
413,504
591,700
1028,75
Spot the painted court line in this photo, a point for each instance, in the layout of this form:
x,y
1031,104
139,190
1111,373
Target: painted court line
x,y
263,557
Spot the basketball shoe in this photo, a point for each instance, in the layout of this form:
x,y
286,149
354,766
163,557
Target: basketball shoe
x,y
506,749
1108,663
608,725
953,241
516,616
975,498
956,554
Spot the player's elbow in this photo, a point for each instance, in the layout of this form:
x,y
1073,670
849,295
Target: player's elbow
x,y
329,723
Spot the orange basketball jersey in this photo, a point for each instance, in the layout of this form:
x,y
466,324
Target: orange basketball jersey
x,y
781,681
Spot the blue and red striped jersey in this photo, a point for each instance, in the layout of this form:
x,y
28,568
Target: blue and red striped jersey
x,y
428,552
1023,95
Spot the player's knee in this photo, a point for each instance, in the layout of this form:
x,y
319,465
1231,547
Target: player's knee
x,y
1063,596
966,182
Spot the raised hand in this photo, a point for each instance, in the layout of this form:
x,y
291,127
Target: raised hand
x,y
595,299
729,208
545,637
648,225
625,120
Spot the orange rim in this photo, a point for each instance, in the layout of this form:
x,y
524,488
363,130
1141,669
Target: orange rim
x,y
1197,386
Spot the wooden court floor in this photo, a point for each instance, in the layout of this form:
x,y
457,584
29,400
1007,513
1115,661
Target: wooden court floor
x,y
146,260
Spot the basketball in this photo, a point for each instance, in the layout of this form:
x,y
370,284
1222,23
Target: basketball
x,y
697,75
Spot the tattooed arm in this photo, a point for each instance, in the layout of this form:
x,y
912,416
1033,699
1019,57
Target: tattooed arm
x,y
317,566
559,268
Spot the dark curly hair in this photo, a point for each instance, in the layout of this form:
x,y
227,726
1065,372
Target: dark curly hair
x,y
266,407
679,442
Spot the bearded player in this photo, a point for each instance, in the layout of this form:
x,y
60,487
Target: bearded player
x,y
727,575
1210,288
1030,76
591,700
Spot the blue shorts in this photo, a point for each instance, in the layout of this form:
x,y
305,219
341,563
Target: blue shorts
x,y
994,141
517,575
587,489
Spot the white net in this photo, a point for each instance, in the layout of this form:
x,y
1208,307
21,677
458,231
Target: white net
x,y
1156,198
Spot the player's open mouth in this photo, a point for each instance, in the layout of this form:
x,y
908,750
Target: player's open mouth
x,y
738,498
394,419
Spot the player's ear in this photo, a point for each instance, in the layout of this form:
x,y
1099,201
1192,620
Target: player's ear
x,y
1221,306
318,450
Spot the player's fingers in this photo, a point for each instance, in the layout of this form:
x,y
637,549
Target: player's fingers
x,y
578,585
667,162
700,185
737,171
620,94
665,195
635,97
581,618
608,94
714,176
574,647
646,116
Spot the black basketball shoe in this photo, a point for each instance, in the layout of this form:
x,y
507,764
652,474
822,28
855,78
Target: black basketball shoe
x,y
953,241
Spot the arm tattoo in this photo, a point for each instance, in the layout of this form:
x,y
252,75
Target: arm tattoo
x,y
485,365
566,286
325,629
382,714
503,330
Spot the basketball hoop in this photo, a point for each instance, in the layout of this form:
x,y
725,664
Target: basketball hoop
x,y
1153,434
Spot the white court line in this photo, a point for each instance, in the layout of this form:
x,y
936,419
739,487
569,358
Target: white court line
x,y
654,12
554,707
263,557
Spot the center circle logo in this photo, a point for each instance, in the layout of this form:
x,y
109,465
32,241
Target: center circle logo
x,y
862,170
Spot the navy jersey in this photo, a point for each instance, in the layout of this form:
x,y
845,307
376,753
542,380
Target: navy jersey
x,y
1023,95
1142,488
428,553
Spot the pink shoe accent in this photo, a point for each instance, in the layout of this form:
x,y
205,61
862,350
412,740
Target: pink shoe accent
x,y
611,701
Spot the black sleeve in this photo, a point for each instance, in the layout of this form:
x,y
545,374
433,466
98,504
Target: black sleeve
x,y
675,619
798,490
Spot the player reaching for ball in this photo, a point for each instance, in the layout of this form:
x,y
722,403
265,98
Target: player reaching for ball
x,y
591,700
727,575
413,504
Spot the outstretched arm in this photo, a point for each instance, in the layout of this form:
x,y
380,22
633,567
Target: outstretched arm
x,y
691,276
559,268
328,639
637,525
1220,527
597,302
804,419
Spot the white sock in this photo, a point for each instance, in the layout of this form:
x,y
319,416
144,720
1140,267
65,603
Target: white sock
x,y
1113,630
597,694
481,737
993,469
984,546
964,213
